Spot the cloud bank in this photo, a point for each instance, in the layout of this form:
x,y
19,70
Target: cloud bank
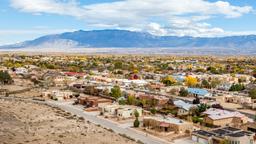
x,y
159,17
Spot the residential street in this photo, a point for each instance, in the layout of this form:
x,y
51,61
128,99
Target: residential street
x,y
107,124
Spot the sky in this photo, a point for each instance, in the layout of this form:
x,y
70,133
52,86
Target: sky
x,y
28,19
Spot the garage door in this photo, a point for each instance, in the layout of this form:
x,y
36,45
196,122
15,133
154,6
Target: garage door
x,y
202,141
194,138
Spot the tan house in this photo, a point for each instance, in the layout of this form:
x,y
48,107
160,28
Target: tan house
x,y
120,111
238,99
167,124
219,117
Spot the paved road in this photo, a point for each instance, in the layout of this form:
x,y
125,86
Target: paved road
x,y
108,124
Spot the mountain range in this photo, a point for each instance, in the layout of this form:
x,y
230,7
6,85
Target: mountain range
x,y
131,39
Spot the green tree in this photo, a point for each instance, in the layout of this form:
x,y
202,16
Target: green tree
x,y
122,102
237,87
116,92
131,100
201,108
252,93
5,78
153,111
136,123
118,65
136,114
205,84
183,92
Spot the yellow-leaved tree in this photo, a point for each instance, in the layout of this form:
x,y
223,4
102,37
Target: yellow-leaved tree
x,y
191,81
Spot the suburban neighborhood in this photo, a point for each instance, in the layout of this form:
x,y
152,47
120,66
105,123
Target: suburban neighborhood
x,y
158,99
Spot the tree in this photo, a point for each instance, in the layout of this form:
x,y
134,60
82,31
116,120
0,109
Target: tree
x,y
136,113
5,78
131,100
205,84
237,87
183,92
252,93
201,108
136,123
169,81
254,73
153,111
191,81
118,65
122,102
116,92
196,101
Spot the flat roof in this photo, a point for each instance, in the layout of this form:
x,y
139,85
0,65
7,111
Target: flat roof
x,y
167,119
204,133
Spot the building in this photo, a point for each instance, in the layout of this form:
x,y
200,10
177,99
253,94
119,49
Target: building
x,y
183,107
201,93
92,101
250,126
120,111
238,99
156,100
221,135
58,95
167,124
219,117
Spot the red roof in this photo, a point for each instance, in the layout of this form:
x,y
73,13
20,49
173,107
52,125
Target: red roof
x,y
74,74
163,124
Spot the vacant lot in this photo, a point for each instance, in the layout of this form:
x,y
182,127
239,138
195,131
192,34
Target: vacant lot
x,y
29,123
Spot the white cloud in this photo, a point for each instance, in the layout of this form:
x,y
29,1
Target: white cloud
x,y
150,15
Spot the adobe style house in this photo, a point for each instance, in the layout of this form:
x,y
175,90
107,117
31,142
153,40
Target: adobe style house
x,y
218,117
167,124
156,100
58,94
223,135
92,101
120,111
238,99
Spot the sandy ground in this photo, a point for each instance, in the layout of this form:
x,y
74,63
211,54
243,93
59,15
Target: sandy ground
x,y
24,122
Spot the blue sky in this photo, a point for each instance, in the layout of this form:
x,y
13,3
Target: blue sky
x,y
27,19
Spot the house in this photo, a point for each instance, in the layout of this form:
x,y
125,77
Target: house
x,y
61,80
156,100
220,135
238,99
167,124
126,111
120,111
183,107
201,93
92,101
21,70
58,95
219,117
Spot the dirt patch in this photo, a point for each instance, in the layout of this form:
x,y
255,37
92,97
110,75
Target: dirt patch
x,y
29,123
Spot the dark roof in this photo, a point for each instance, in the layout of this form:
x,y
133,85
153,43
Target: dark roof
x,y
231,129
221,132
240,134
204,133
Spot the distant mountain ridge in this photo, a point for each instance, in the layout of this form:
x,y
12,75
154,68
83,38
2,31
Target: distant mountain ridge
x,y
130,39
